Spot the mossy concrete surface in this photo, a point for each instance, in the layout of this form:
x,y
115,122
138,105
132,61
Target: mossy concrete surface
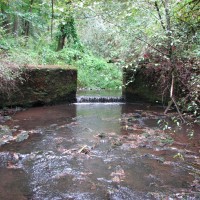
x,y
142,86
43,85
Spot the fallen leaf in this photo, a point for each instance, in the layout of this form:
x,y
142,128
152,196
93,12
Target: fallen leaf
x,y
116,179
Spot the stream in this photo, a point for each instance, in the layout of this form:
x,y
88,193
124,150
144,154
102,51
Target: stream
x,y
99,151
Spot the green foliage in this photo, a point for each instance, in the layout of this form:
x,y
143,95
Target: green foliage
x,y
93,72
179,156
97,73
10,73
164,124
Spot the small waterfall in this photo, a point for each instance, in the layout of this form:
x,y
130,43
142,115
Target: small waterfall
x,y
99,99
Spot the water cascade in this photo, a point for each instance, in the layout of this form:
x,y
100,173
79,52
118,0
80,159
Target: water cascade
x,y
99,97
92,99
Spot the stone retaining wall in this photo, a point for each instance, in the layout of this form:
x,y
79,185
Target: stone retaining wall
x,y
142,86
43,85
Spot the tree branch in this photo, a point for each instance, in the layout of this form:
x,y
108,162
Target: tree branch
x,y
159,15
173,101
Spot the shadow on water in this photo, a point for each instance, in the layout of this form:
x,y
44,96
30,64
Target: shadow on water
x,y
97,151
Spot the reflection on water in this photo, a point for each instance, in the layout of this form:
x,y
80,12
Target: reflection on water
x,y
95,151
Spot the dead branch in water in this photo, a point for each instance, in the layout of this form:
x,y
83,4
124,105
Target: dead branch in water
x,y
173,101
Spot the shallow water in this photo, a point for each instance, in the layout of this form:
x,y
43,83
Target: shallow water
x,y
98,151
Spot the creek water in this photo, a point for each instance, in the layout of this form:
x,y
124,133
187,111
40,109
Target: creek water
x,y
99,151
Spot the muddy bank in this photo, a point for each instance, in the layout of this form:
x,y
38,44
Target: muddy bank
x,y
43,85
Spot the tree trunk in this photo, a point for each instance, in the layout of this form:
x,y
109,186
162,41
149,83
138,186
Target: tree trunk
x,y
67,31
61,39
16,26
27,23
168,29
52,17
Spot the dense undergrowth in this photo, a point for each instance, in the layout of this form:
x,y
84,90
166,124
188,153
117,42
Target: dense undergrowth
x,y
93,72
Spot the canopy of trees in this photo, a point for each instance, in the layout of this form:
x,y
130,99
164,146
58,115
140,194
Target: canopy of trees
x,y
111,28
